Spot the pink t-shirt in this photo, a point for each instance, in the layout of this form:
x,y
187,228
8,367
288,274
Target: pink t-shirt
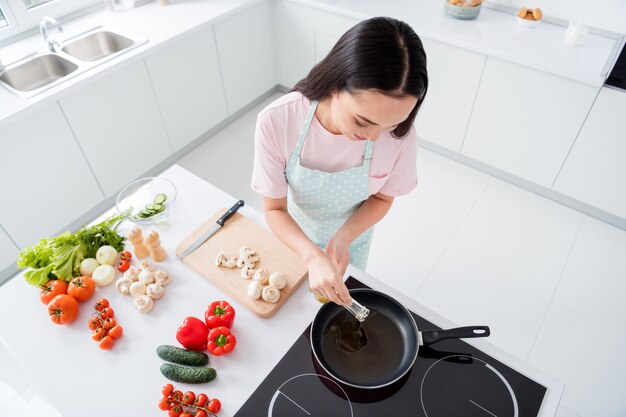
x,y
393,169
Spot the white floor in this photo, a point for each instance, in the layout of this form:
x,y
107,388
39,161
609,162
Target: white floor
x,y
549,280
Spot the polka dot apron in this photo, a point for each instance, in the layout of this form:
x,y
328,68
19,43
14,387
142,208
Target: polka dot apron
x,y
321,202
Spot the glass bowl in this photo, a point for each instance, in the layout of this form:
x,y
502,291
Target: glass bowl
x,y
147,201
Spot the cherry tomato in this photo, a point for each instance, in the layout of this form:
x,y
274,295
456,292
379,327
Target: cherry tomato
x,y
51,289
101,304
98,334
200,413
123,265
164,404
188,397
106,343
116,332
63,309
94,322
201,399
175,411
177,395
106,313
185,414
167,390
126,255
81,288
109,323
214,405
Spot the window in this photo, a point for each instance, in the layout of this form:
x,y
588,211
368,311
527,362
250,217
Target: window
x,y
19,15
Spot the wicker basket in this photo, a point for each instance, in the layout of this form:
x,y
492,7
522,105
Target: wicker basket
x,y
464,13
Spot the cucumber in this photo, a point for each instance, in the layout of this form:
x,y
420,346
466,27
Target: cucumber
x,y
187,375
160,198
182,356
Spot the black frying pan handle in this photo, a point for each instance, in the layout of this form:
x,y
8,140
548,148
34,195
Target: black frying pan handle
x,y
433,336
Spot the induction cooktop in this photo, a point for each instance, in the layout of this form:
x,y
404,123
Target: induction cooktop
x,y
449,379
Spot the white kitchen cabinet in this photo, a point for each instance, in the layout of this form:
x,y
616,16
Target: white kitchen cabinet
x,y
246,48
8,253
525,121
46,182
594,171
188,86
304,37
453,80
118,125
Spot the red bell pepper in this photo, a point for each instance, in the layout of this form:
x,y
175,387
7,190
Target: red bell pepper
x,y
192,334
221,341
219,313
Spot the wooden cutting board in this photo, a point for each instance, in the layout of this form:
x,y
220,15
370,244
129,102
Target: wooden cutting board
x,y
239,231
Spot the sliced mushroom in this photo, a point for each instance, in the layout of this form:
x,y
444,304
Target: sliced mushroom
x,y
229,262
123,285
246,252
240,262
155,291
162,277
247,272
271,294
146,276
254,290
137,289
143,303
262,276
218,260
278,279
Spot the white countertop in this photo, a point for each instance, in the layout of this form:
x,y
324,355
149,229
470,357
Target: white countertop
x,y
71,370
493,33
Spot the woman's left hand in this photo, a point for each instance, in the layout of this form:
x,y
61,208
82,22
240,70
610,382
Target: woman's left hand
x,y
338,250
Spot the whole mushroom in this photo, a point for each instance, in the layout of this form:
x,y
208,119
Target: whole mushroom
x,y
143,303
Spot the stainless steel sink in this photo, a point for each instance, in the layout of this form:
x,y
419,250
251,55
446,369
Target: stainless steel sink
x,y
45,69
36,72
97,45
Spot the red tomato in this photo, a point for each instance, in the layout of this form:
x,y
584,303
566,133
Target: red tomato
x,y
200,413
164,404
81,288
101,304
94,322
51,289
116,332
63,309
175,411
201,399
126,255
123,265
98,334
185,414
106,343
214,405
106,313
188,397
177,395
167,390
109,323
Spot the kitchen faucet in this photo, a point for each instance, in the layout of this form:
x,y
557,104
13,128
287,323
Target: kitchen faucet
x,y
53,45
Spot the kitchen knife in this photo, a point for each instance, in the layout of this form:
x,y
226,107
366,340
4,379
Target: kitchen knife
x,y
217,226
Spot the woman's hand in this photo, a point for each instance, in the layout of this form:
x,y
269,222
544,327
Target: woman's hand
x,y
325,279
338,250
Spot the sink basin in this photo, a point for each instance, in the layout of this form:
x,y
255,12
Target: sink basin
x,y
97,45
37,72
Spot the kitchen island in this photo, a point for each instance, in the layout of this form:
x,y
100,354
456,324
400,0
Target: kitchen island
x,y
79,378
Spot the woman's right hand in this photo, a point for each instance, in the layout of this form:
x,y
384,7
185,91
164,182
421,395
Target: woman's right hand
x,y
325,280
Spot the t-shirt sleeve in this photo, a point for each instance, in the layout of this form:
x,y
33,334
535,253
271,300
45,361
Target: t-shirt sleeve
x,y
268,174
403,176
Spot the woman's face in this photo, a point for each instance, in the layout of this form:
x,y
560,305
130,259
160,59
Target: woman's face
x,y
368,113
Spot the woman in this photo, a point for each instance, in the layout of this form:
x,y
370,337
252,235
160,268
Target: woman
x,y
331,155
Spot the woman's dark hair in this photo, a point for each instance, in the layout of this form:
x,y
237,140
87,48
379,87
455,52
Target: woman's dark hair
x,y
382,54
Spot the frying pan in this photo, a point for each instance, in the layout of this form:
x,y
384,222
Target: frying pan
x,y
379,351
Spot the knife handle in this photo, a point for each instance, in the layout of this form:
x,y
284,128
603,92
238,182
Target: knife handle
x,y
230,212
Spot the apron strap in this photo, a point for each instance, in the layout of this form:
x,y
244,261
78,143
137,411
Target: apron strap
x,y
305,128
